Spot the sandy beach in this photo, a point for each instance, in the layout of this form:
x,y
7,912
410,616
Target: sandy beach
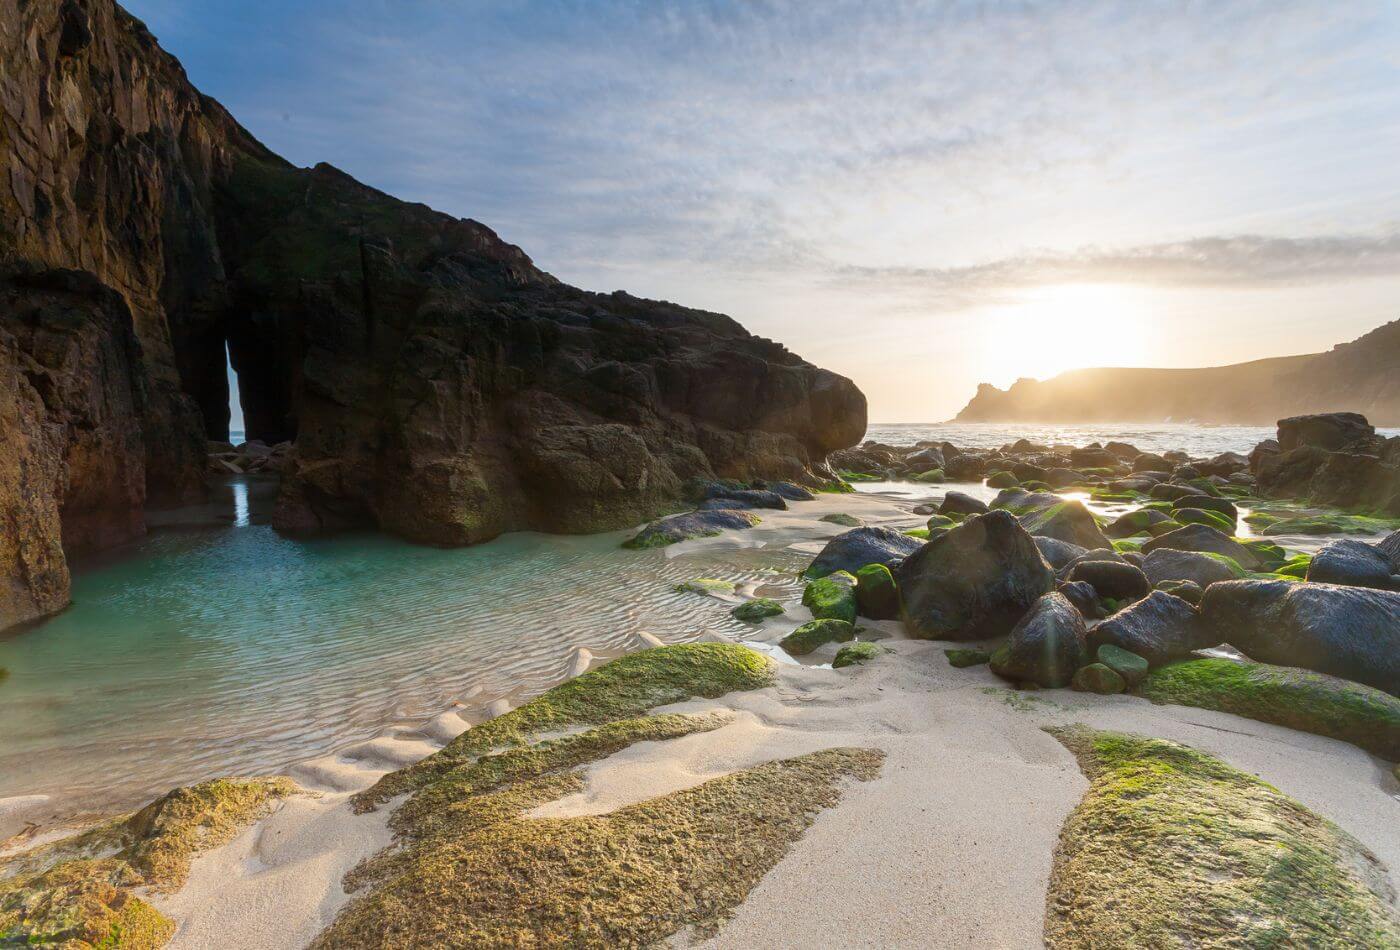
x,y
950,846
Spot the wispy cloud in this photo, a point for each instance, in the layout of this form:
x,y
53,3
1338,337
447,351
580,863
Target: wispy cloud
x,y
1242,261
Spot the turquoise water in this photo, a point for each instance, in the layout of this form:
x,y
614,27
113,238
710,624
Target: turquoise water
x,y
217,647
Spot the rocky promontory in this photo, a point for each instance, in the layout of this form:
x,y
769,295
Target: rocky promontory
x,y
1361,375
435,382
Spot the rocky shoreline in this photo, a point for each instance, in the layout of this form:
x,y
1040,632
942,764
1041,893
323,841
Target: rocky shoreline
x,y
1103,626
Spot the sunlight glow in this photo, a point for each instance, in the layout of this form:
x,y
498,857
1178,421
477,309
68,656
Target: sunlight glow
x,y
1068,326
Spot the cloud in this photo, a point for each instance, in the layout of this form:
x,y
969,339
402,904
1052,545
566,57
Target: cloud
x,y
1235,262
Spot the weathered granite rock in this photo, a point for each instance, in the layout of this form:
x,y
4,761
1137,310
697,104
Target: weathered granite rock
x,y
1159,628
1204,539
1166,564
1059,554
1329,430
1112,579
974,582
1050,516
1046,646
852,550
961,503
1355,564
1351,632
690,525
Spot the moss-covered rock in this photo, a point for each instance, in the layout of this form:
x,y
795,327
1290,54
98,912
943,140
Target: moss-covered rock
x,y
1002,480
855,653
1173,848
1309,702
876,594
967,656
1098,678
843,519
1125,663
923,534
817,633
754,611
936,522
832,597
81,891
690,525
1213,519
1296,566
472,869
933,476
705,585
622,689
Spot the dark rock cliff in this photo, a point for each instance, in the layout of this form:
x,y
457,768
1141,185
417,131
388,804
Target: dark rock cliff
x,y
1363,375
437,384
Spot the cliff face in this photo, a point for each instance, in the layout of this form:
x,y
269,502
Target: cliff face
x,y
1362,376
436,382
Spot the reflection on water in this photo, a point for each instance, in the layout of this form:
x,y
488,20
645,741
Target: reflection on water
x,y
216,646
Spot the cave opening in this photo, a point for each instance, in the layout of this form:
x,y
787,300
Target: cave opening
x,y
241,377
237,429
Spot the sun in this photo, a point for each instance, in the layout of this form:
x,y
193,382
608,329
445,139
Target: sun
x,y
1051,329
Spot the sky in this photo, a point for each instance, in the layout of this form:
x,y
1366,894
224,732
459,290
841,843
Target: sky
x,y
921,196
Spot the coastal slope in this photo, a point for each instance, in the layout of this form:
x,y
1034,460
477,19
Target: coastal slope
x,y
1361,376
436,383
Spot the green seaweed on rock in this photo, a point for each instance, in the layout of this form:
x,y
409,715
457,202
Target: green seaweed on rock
x,y
853,654
1173,848
622,689
1299,699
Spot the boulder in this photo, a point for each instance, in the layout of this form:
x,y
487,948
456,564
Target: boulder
x,y
1059,554
1130,666
1050,516
1084,597
852,550
974,582
856,654
1098,678
1112,579
1046,646
1159,628
756,610
1390,547
1329,430
1148,462
817,633
1351,632
1204,539
1123,450
959,503
1166,564
1168,491
1189,591
1135,522
791,492
719,496
1208,503
832,597
1093,458
1225,464
692,524
877,597
1354,564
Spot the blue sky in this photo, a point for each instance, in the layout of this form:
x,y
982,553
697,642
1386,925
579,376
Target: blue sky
x,y
920,195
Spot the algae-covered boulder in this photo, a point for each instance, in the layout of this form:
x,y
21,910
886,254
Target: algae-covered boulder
x,y
843,519
852,550
1167,564
1220,506
1116,579
1330,431
1128,665
1354,564
1211,519
718,495
974,582
1204,539
1159,628
790,491
1050,516
877,596
853,654
705,585
961,503
1173,848
1351,632
754,611
1098,678
1299,699
1002,480
817,633
1135,522
832,597
1046,647
692,524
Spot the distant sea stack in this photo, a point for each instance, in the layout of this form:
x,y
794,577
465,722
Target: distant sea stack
x,y
1363,376
435,382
